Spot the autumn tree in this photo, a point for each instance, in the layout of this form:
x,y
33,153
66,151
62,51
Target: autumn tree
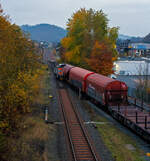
x,y
86,29
19,79
101,59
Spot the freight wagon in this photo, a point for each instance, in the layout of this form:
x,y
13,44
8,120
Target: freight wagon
x,y
105,90
110,93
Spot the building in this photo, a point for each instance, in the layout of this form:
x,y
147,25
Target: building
x,y
129,67
122,46
139,49
135,46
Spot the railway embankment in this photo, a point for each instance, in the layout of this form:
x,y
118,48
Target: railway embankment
x,y
121,142
112,140
116,140
35,139
43,141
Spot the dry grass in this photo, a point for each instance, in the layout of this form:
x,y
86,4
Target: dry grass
x,y
38,129
31,145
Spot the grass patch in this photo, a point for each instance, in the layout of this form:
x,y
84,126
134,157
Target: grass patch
x,y
122,146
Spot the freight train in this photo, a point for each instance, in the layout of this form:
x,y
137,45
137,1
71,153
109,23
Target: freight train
x,y
110,93
104,90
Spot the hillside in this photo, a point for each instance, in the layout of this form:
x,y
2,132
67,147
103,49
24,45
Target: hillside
x,y
45,32
53,33
132,38
147,38
123,37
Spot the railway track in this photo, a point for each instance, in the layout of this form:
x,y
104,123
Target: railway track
x,y
82,147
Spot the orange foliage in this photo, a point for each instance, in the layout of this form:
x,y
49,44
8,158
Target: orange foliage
x,y
19,77
86,27
100,60
66,41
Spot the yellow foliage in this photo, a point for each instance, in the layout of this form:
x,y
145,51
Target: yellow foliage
x,y
66,41
20,73
85,28
68,56
3,124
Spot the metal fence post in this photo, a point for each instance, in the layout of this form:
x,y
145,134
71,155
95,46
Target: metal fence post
x,y
136,115
145,122
135,101
118,108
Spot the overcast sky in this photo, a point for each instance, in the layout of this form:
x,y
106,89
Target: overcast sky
x,y
132,16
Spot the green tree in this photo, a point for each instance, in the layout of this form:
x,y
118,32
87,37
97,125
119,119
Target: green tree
x,y
85,29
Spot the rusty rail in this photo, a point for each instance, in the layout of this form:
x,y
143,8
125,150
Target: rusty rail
x,y
81,145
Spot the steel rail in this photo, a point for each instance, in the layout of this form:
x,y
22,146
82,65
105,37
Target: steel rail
x,y
84,130
84,136
67,127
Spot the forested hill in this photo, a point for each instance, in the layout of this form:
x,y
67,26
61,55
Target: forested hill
x,y
132,38
45,32
53,33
